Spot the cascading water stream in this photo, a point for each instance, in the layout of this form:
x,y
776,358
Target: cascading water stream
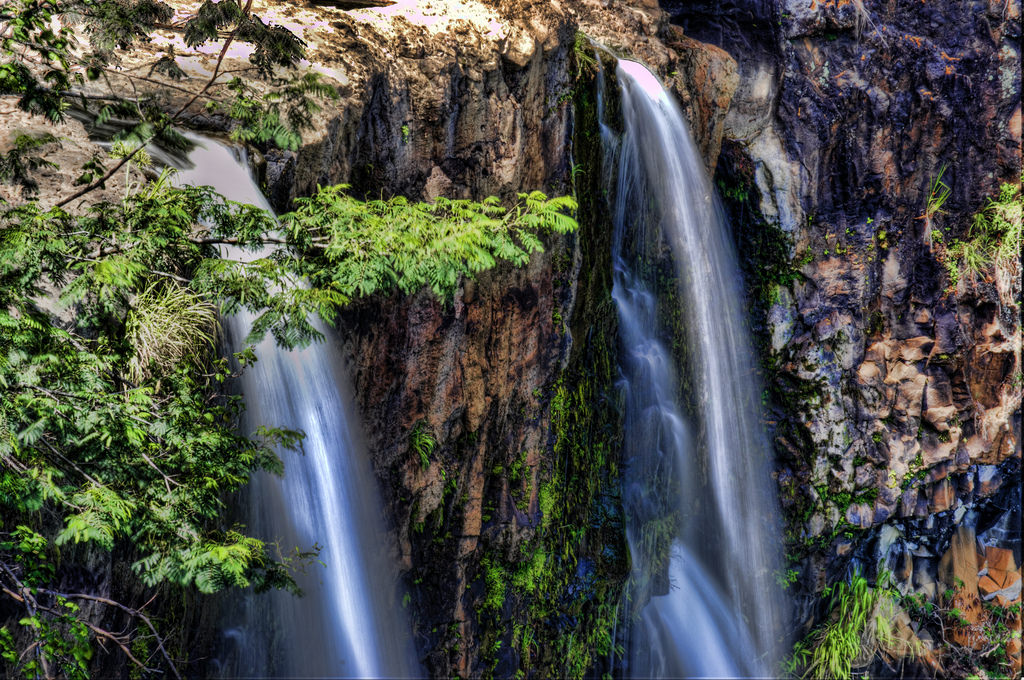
x,y
349,623
695,466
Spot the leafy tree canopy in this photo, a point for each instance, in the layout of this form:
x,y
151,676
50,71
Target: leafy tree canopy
x,y
115,429
111,430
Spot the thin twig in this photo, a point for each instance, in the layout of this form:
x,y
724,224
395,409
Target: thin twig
x,y
71,463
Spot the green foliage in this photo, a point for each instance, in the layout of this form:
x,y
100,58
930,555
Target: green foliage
x,y
30,555
113,419
994,238
46,65
859,620
422,442
994,626
583,53
166,325
62,641
45,30
375,246
18,164
1000,626
521,482
573,613
546,503
938,194
106,424
278,115
786,578
494,585
114,428
112,26
532,572
29,37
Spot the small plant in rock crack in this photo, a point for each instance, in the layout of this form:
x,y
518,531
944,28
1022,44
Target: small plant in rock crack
x,y
994,239
583,51
786,578
938,194
422,442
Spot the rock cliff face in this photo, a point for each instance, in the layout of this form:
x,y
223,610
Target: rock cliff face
x,y
894,391
896,387
508,524
469,99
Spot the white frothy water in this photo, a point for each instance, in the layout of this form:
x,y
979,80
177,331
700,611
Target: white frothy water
x,y
723,614
349,623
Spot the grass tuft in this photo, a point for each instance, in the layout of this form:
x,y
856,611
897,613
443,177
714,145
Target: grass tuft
x,y
994,239
168,325
422,442
858,626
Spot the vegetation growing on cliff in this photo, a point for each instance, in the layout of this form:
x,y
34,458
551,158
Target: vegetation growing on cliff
x,y
108,439
565,588
549,608
860,621
373,246
113,431
993,239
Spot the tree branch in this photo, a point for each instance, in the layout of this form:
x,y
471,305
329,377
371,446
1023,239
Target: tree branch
x,y
32,607
135,613
209,83
28,600
102,180
220,60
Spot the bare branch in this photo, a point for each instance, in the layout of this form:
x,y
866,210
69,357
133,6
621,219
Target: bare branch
x,y
102,180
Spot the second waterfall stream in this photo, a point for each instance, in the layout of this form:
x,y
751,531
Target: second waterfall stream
x,y
698,484
349,622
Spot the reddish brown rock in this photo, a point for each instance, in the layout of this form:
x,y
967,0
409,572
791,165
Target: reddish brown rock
x,y
999,559
958,566
705,78
988,585
942,496
1013,647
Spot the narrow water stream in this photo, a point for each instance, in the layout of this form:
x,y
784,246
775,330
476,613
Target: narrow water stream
x,y
697,462
349,623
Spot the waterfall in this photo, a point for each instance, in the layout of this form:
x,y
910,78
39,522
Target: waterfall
x,y
702,520
348,624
